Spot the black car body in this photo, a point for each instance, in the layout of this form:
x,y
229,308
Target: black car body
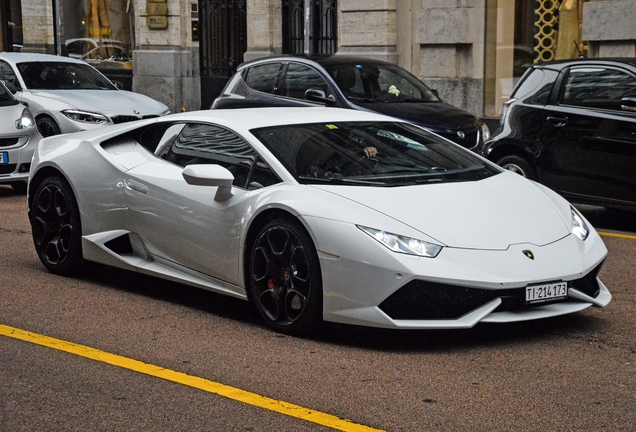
x,y
349,82
571,125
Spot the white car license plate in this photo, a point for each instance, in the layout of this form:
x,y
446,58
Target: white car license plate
x,y
541,293
4,158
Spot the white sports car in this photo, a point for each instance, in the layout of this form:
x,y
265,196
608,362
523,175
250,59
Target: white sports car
x,y
315,214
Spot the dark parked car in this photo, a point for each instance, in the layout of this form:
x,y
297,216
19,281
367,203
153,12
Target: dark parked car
x,y
571,125
349,82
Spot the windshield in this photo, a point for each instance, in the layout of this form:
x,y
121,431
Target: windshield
x,y
62,76
370,153
370,82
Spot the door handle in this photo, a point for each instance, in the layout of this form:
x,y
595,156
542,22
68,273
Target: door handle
x,y
131,184
558,121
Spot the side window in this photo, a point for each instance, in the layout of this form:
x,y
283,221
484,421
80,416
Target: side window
x,y
262,77
7,74
209,144
594,87
300,78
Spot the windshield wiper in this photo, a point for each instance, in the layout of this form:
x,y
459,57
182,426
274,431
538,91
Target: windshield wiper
x,y
341,180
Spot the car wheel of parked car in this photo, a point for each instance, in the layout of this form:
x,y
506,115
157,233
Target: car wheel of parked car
x,y
55,222
47,126
518,165
285,277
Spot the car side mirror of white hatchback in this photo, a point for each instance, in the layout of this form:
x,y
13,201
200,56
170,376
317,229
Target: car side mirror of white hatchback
x,y
210,175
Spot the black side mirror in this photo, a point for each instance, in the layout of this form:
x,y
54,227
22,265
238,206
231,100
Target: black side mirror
x,y
628,104
320,96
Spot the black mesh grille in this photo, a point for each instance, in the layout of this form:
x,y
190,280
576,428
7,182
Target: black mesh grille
x,y
150,116
7,169
423,300
124,119
8,142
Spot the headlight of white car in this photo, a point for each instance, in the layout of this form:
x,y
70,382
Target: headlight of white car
x,y
485,132
402,244
25,121
85,116
579,227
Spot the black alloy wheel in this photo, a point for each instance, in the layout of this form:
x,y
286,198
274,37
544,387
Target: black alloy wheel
x,y
47,126
285,278
55,224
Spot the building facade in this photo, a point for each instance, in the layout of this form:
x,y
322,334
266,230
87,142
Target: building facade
x,y
471,51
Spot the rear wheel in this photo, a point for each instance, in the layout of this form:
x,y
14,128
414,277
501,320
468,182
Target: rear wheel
x,y
55,224
47,126
517,165
284,277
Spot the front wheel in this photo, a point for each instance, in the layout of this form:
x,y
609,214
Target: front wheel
x,y
55,224
517,165
47,126
284,277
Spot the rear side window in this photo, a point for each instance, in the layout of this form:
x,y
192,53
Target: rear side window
x,y
300,78
596,87
262,77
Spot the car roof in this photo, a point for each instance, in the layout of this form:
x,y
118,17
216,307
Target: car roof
x,y
561,64
19,57
323,60
251,118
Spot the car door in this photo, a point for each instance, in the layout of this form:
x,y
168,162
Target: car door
x,y
590,139
183,223
298,78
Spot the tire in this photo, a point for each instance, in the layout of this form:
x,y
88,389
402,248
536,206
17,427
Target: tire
x,y
284,278
518,165
47,126
56,228
19,187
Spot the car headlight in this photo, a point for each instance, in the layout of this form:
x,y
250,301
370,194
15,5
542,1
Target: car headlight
x,y
485,132
579,227
402,244
85,116
25,121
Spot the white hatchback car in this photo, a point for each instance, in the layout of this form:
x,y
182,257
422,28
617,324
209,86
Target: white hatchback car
x,y
68,95
18,139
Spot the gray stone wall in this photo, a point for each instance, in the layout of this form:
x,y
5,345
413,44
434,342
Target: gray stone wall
x,y
609,26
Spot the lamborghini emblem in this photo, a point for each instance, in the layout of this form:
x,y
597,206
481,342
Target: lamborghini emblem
x,y
529,254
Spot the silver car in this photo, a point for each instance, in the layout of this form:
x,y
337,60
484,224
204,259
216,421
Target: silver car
x,y
18,139
68,95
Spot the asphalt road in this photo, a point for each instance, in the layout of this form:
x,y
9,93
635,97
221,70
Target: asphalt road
x,y
576,372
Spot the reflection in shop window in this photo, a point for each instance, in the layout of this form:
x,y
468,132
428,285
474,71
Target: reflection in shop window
x,y
520,33
88,25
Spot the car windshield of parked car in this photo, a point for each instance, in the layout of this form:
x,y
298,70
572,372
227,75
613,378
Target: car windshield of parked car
x,y
62,76
371,82
370,153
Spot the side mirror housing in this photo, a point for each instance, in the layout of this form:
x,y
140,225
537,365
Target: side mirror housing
x,y
210,175
628,104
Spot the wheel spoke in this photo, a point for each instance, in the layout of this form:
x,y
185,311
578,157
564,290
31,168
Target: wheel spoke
x,y
52,224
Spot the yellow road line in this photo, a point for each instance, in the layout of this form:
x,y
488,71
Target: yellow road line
x,y
226,391
609,234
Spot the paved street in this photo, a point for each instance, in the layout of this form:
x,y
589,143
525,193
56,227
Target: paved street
x,y
576,372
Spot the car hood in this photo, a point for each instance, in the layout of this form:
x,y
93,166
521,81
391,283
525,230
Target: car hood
x,y
107,102
436,116
489,214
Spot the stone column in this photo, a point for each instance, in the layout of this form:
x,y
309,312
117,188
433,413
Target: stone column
x,y
166,64
368,28
264,28
609,28
38,29
451,36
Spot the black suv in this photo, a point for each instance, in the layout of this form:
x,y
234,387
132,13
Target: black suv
x,y
571,125
349,82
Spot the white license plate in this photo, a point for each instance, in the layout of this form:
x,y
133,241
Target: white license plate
x,y
541,293
4,158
